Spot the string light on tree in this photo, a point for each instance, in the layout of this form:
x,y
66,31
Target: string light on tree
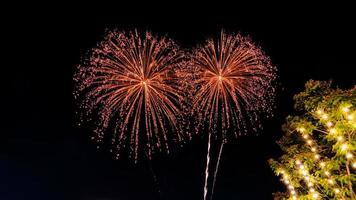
x,y
325,116
319,112
332,131
350,117
349,156
345,109
325,157
344,147
354,165
329,124
340,138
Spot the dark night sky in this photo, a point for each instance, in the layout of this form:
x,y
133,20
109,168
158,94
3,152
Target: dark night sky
x,y
44,155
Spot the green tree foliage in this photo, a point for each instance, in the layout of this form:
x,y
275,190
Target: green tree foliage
x,y
319,160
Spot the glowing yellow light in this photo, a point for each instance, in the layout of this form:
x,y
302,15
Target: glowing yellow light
x,y
330,181
337,191
291,187
319,112
316,156
292,192
307,178
297,162
310,184
327,173
286,181
345,109
309,141
332,131
301,166
349,155
312,190
294,197
340,138
322,164
315,195
329,124
301,129
325,116
354,165
304,172
144,82
313,149
305,136
350,117
220,77
343,147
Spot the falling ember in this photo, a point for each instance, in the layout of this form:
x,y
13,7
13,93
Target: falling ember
x,y
129,82
233,81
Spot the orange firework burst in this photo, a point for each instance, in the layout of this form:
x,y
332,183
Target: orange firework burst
x,y
233,79
130,82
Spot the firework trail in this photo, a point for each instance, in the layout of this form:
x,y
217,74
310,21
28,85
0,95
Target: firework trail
x,y
128,85
207,168
216,169
233,80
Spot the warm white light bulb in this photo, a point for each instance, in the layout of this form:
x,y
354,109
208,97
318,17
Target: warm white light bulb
x,y
349,155
340,138
297,162
325,116
332,131
315,195
313,149
319,112
309,141
343,147
337,191
327,173
350,117
322,164
329,124
345,109
305,136
316,156
330,181
354,165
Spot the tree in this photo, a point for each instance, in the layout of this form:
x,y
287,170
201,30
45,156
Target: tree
x,y
319,144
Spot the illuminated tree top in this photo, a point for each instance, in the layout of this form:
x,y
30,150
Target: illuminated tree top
x,y
319,144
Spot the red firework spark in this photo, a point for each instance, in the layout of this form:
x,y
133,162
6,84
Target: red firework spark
x,y
233,79
130,82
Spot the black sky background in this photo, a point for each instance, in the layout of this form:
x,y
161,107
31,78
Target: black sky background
x,y
44,155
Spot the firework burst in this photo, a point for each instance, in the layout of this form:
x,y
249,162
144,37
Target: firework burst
x,y
129,82
233,80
